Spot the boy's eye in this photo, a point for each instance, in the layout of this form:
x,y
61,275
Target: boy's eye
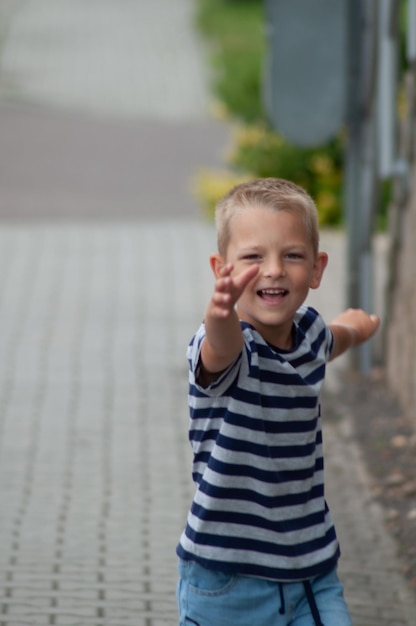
x,y
294,255
252,257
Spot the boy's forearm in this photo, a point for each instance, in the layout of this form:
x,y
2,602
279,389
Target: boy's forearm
x,y
223,342
224,337
351,328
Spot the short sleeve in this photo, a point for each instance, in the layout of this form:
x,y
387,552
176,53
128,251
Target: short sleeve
x,y
329,343
223,383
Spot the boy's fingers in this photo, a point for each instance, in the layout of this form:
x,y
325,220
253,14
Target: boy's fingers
x,y
229,288
244,278
226,269
222,305
376,321
221,298
223,284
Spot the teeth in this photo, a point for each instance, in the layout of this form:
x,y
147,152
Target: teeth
x,y
273,292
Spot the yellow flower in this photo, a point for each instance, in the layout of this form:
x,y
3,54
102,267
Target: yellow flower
x,y
328,207
321,165
209,186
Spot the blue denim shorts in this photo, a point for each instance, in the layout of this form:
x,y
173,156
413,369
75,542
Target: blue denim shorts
x,y
212,598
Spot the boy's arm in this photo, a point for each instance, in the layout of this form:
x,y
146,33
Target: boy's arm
x,y
224,338
351,328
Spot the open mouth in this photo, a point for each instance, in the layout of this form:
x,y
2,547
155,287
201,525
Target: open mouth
x,y
272,295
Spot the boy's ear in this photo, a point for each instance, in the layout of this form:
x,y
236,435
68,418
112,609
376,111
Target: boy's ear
x,y
321,261
216,262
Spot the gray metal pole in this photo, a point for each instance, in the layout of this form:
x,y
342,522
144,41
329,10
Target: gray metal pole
x,y
352,187
361,166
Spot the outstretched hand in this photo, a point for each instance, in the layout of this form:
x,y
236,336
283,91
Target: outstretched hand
x,y
352,327
362,324
224,338
228,289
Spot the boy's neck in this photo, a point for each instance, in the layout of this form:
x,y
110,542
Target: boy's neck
x,y
282,338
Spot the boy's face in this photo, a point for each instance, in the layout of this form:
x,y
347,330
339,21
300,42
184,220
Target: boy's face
x,y
279,243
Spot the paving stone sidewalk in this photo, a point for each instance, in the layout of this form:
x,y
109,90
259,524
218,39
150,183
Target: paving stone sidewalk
x,y
94,459
131,58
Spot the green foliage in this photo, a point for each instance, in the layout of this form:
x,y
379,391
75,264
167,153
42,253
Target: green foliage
x,y
235,30
259,152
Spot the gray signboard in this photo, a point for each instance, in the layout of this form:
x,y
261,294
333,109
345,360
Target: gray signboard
x,y
306,71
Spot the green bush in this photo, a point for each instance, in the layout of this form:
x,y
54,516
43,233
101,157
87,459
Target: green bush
x,y
258,152
264,153
235,31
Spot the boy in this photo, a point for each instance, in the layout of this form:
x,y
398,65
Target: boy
x,y
260,548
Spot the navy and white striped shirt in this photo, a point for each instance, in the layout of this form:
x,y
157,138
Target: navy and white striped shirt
x,y
259,507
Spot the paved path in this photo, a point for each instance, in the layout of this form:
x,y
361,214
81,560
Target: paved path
x,y
95,318
104,109
104,57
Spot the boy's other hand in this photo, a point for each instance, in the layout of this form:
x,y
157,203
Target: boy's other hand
x,y
362,324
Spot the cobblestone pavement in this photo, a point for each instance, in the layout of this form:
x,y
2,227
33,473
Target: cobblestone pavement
x,y
95,319
94,463
104,57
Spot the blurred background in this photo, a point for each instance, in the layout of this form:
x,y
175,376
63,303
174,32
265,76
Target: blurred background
x,y
104,109
121,124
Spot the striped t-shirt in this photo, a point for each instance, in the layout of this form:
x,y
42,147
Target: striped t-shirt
x,y
259,507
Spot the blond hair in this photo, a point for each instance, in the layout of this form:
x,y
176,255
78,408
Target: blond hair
x,y
272,193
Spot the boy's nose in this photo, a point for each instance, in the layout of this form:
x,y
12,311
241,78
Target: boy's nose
x,y
274,269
